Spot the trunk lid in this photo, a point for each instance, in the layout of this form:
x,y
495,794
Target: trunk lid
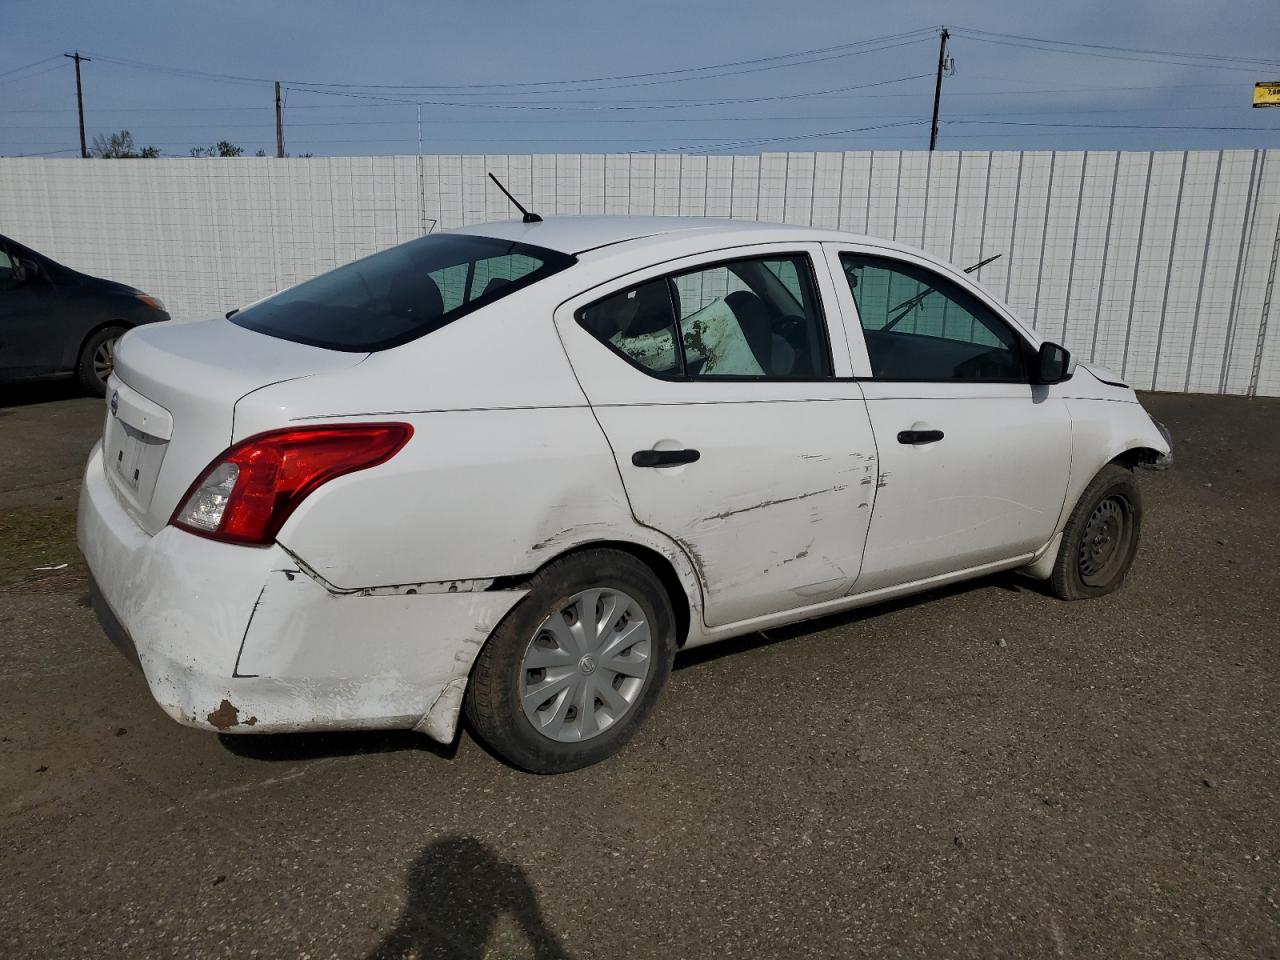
x,y
171,404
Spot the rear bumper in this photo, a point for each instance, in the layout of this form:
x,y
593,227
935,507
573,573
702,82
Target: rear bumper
x,y
241,640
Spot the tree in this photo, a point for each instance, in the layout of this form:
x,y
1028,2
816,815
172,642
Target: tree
x,y
223,148
120,146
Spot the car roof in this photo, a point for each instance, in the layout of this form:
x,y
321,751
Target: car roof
x,y
577,235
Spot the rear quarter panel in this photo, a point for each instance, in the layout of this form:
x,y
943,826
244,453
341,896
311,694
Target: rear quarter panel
x,y
507,467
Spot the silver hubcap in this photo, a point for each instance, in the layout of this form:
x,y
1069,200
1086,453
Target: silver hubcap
x,y
104,359
585,666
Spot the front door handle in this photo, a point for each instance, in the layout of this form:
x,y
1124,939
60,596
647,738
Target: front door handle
x,y
663,458
919,436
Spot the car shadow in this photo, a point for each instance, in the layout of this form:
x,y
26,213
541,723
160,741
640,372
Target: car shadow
x,y
1009,581
39,391
294,747
455,892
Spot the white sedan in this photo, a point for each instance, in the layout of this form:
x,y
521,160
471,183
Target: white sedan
x,y
512,469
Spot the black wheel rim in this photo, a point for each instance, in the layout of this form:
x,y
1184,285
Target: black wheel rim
x,y
1105,543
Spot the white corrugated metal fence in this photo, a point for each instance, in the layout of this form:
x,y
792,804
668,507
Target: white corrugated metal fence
x,y
1159,265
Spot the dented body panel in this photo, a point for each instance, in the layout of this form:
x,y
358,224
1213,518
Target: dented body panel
x,y
383,585
242,640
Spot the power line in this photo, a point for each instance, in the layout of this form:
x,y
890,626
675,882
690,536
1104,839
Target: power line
x,y
823,53
616,104
394,104
32,76
1104,126
30,65
1117,49
456,92
1047,47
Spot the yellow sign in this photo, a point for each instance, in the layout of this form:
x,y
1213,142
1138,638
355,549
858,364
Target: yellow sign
x,y
1266,94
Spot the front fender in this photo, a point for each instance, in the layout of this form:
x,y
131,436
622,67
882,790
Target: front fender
x,y
1102,431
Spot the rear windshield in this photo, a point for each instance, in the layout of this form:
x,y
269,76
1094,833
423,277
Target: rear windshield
x,y
401,294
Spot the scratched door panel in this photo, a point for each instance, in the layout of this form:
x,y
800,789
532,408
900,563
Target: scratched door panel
x,y
990,489
774,512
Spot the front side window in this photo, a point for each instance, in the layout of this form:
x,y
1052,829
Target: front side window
x,y
756,318
918,325
402,293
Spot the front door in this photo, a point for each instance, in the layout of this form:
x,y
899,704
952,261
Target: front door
x,y
715,383
974,459
30,341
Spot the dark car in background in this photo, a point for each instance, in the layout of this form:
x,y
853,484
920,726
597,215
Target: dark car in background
x,y
55,321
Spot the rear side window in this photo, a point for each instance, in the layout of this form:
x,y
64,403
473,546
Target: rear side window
x,y
753,318
402,293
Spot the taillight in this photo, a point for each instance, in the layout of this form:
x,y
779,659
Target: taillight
x,y
247,493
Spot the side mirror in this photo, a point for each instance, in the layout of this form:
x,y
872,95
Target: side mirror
x,y
19,270
1052,363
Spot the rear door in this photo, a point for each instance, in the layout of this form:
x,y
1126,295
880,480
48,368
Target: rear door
x,y
717,387
974,459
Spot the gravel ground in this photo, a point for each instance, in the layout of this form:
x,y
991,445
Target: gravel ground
x,y
981,772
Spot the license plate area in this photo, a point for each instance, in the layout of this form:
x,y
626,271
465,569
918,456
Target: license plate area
x,y
133,461
128,453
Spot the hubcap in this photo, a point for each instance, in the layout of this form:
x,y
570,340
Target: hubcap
x,y
1105,543
585,666
104,359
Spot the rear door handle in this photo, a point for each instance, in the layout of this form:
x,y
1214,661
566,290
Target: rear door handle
x,y
663,458
919,436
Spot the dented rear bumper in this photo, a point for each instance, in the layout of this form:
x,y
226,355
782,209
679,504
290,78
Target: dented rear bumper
x,y
247,640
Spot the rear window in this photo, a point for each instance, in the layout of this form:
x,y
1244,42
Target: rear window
x,y
401,294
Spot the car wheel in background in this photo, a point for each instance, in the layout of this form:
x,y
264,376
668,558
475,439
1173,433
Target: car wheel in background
x,y
1101,537
571,672
97,358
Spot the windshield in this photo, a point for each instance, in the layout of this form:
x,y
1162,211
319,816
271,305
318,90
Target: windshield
x,y
401,294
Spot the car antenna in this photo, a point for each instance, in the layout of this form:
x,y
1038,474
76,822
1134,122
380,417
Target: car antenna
x,y
528,217
982,263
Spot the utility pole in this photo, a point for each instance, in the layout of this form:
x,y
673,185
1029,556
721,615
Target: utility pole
x,y
279,123
84,150
937,87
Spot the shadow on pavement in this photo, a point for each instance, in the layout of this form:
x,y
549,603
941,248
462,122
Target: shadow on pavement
x,y
456,890
292,747
1013,582
39,391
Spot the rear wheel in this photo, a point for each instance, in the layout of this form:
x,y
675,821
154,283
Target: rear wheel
x,y
570,674
1100,539
97,359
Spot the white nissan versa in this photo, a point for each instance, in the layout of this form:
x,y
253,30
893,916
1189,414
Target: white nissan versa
x,y
513,468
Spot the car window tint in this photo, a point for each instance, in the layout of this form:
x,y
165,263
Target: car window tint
x,y
402,293
6,268
752,318
452,282
637,323
918,325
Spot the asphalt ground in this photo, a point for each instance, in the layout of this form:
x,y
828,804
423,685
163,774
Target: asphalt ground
x,y
979,772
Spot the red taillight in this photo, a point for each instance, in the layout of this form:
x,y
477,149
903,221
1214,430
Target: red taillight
x,y
247,493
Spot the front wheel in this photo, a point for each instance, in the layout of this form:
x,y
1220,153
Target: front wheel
x,y
1101,537
571,672
97,359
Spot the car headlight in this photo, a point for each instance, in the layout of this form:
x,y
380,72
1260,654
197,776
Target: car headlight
x,y
155,303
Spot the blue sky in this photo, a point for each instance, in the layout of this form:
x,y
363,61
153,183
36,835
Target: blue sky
x,y
179,74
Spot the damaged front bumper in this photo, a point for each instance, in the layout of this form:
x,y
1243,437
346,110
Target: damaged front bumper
x,y
1165,460
247,640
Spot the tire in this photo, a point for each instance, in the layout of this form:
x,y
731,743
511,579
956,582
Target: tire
x,y
1101,537
527,695
93,366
